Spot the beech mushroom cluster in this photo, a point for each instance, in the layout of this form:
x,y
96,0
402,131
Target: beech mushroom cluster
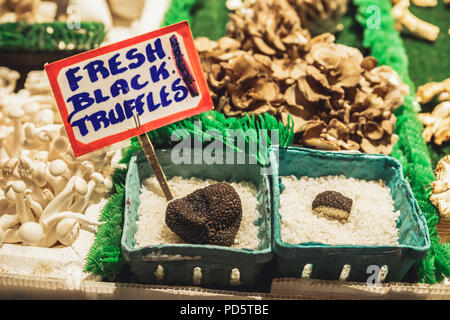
x,y
44,189
437,123
318,16
337,98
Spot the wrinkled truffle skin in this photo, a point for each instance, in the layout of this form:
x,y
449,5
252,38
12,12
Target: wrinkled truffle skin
x,y
332,204
211,215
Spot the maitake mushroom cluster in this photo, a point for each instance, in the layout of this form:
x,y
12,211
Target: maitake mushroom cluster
x,y
437,123
337,98
320,16
44,189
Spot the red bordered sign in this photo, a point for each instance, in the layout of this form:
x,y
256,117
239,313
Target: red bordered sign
x,y
119,91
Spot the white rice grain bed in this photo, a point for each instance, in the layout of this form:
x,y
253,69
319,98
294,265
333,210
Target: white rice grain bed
x,y
372,220
152,228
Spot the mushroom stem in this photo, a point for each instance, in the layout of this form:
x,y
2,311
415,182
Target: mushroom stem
x,y
8,220
18,136
67,231
61,202
31,233
80,204
32,204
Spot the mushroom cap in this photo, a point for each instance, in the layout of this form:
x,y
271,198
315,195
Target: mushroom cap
x,y
31,108
31,233
88,165
57,167
16,113
97,177
19,187
44,117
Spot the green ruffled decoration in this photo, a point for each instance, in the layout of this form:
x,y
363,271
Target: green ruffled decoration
x,y
51,36
105,256
411,150
179,10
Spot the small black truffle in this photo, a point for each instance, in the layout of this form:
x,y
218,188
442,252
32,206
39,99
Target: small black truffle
x,y
332,204
211,215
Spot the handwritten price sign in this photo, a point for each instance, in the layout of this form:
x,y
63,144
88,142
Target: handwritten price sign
x,y
115,92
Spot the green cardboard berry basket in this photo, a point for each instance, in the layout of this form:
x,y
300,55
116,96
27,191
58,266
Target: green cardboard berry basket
x,y
328,261
176,263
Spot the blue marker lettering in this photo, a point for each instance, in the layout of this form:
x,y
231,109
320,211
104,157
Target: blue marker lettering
x,y
150,51
120,115
118,86
80,102
72,79
131,55
97,118
156,73
95,67
114,65
181,92
135,83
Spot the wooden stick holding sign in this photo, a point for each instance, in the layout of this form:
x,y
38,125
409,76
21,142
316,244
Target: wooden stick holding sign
x,y
156,77
149,151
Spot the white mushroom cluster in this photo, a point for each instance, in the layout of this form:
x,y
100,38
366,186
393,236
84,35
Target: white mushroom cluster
x,y
44,188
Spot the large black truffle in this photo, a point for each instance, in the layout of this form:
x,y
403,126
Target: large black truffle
x,y
332,204
211,215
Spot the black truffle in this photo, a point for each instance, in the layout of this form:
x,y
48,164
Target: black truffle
x,y
211,215
332,204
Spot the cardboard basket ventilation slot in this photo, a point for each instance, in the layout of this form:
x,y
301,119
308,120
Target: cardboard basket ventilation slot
x,y
177,263
327,262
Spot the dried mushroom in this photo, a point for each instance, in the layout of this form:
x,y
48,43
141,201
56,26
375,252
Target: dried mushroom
x,y
270,27
320,16
332,204
428,91
436,123
440,196
338,99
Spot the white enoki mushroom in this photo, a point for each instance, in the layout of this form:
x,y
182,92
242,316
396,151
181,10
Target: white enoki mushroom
x,y
44,188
